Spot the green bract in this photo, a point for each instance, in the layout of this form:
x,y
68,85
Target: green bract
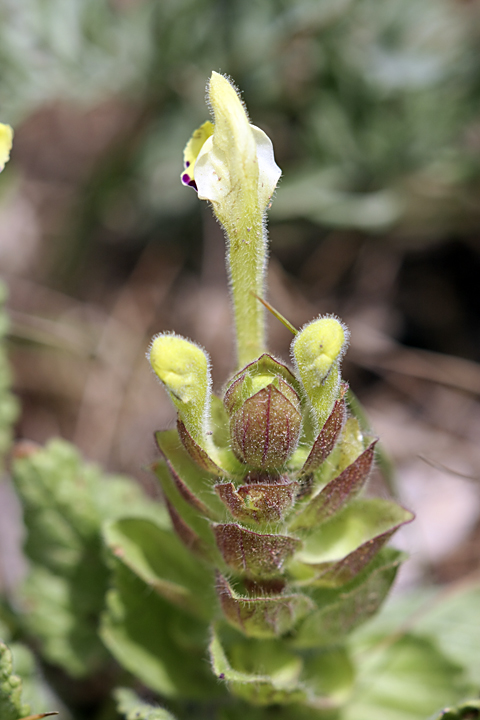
x,y
276,549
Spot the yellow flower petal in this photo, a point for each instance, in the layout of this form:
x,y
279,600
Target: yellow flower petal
x,y
192,150
6,138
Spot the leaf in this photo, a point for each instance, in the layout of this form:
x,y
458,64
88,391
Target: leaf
x,y
11,706
466,711
267,673
160,559
158,643
65,502
278,681
266,616
404,680
8,404
341,610
336,493
345,544
197,453
453,620
185,511
133,708
257,502
326,440
61,624
198,481
447,617
254,554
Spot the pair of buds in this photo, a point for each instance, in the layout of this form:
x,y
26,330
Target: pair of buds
x,y
267,404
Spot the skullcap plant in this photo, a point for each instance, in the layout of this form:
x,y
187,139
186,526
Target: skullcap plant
x,y
264,485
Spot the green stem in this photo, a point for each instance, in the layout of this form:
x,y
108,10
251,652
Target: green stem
x,y
246,256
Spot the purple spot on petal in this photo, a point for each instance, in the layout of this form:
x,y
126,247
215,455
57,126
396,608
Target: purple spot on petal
x,y
222,676
187,163
187,180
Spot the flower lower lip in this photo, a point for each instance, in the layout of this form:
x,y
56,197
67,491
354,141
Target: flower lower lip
x,y
187,180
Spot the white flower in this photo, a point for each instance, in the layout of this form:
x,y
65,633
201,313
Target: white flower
x,y
236,159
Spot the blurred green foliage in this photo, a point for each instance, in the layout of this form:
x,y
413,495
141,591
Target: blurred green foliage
x,y
132,707
65,502
11,705
8,403
372,107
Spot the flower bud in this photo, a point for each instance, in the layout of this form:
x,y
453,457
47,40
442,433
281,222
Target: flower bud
x,y
318,349
183,368
265,420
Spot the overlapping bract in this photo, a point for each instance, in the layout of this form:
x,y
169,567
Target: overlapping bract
x,y
293,553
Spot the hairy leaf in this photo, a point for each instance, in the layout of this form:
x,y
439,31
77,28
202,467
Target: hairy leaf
x,y
133,708
160,644
161,560
341,547
265,616
341,610
65,502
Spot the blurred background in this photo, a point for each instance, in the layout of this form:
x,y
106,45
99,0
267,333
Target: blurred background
x,y
374,111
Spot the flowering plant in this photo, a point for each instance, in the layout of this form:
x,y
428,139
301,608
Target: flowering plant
x,y
263,485
238,596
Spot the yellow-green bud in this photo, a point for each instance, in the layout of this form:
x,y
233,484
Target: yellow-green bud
x,y
318,349
184,370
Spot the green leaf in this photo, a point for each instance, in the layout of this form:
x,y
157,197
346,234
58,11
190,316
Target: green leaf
x,y
268,673
449,617
161,645
466,711
61,624
341,610
8,403
330,673
133,708
277,682
161,560
65,502
266,616
188,514
258,503
198,481
339,491
404,679
341,547
452,619
11,705
256,554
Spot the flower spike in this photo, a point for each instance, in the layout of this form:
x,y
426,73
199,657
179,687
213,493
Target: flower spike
x,y
231,164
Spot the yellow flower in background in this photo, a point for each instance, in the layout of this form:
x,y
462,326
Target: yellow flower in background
x,y
6,138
